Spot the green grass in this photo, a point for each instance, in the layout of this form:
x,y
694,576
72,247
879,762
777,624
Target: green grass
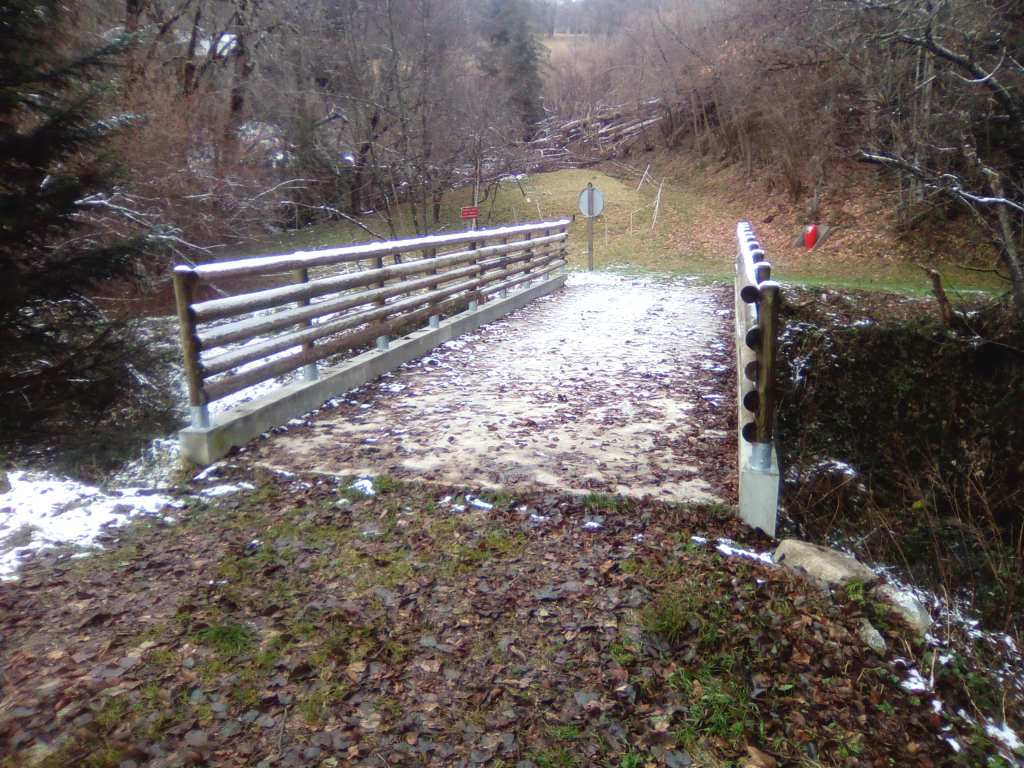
x,y
677,245
314,707
718,703
226,638
894,276
554,758
564,732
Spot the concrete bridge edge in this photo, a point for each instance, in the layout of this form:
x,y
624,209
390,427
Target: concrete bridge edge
x,y
249,420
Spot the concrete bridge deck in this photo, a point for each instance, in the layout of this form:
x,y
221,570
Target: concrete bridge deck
x,y
610,385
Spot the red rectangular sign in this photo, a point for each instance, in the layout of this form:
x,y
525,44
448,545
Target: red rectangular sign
x,y
470,212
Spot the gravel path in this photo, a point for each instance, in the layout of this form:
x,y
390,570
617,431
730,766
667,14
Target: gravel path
x,y
610,385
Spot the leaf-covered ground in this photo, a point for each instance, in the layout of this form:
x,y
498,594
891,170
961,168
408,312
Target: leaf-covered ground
x,y
302,624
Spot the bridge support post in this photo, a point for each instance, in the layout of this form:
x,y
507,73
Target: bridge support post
x,y
434,321
474,305
199,416
184,293
382,342
309,372
757,301
503,293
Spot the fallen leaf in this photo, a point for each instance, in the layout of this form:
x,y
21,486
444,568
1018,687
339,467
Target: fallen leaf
x,y
757,759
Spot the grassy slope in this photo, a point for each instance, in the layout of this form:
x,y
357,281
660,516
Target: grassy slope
x,y
694,232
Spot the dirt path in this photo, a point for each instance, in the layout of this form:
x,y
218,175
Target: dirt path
x,y
611,385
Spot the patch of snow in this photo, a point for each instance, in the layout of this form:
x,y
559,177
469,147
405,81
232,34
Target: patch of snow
x,y
209,472
728,548
224,490
478,503
45,511
1005,734
914,681
153,468
365,486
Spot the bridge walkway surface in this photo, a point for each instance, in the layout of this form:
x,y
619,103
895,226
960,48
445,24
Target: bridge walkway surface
x,y
611,385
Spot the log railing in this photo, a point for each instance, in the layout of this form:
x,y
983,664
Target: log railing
x,y
326,304
758,300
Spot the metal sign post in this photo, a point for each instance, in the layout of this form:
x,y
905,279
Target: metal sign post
x,y
591,205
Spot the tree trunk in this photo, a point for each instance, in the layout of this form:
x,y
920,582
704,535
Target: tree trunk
x,y
1009,249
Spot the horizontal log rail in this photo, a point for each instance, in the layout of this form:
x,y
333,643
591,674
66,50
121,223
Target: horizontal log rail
x,y
758,300
234,342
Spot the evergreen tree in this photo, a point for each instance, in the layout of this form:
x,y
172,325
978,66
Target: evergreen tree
x,y
514,54
58,350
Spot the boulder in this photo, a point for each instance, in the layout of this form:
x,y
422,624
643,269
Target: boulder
x,y
906,604
827,566
832,568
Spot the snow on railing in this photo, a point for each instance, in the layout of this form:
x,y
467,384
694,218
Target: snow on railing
x,y
258,335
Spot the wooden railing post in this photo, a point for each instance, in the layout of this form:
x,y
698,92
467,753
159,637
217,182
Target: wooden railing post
x,y
564,252
503,293
547,250
184,292
473,303
526,282
309,372
382,341
767,366
435,320
762,271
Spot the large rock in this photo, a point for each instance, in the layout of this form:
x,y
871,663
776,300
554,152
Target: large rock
x,y
832,568
906,604
821,563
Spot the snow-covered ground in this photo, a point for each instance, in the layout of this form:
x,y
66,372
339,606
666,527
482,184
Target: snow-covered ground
x,y
44,511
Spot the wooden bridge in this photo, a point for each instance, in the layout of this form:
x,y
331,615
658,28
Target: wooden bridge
x,y
406,368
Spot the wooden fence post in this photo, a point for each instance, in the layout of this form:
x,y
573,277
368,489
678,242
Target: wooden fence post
x,y
309,372
767,364
547,250
564,252
503,293
473,303
526,282
382,340
434,321
184,291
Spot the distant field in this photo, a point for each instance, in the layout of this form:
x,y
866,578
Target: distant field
x,y
693,234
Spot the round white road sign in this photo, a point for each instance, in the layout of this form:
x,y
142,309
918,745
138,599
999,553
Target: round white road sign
x,y
591,206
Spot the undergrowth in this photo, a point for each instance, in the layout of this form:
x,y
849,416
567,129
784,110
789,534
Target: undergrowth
x,y
906,440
